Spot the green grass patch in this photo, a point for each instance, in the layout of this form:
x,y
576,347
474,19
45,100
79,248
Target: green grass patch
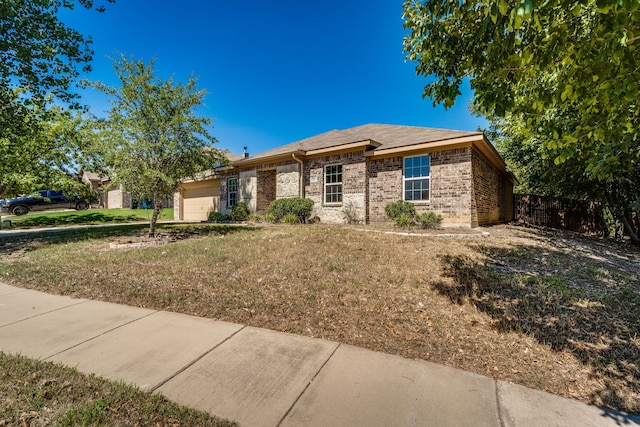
x,y
92,216
42,393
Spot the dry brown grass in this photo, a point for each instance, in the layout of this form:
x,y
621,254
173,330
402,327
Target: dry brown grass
x,y
549,310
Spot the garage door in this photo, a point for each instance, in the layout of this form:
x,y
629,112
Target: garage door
x,y
200,198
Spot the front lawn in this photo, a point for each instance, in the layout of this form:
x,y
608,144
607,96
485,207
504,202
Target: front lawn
x,y
547,309
91,216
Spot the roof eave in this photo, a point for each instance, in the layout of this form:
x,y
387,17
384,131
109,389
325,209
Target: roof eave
x,y
425,146
251,161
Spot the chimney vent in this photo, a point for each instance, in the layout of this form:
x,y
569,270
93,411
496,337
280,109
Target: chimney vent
x,y
245,154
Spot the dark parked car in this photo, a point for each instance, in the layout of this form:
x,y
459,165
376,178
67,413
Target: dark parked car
x,y
43,200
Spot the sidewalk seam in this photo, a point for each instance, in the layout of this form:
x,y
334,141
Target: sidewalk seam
x,y
286,414
46,312
101,334
498,406
194,361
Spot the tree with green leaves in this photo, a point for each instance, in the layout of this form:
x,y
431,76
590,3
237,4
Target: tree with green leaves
x,y
38,52
40,58
46,151
564,71
152,138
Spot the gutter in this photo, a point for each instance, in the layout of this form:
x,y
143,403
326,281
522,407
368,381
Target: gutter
x,y
300,173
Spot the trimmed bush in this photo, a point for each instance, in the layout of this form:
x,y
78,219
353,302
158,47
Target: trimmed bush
x,y
219,217
404,221
297,206
290,219
239,212
429,220
404,215
395,209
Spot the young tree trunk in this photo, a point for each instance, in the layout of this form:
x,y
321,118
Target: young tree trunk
x,y
620,214
154,217
629,227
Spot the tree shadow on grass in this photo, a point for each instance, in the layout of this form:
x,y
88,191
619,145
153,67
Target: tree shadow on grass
x,y
599,324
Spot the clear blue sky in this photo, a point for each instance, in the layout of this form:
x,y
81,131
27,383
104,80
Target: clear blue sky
x,y
275,71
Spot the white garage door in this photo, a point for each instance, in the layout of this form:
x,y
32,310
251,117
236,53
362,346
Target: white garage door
x,y
200,198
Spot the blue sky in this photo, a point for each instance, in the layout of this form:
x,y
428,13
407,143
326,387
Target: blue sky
x,y
275,71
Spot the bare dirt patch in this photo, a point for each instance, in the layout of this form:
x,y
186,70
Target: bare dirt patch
x,y
550,310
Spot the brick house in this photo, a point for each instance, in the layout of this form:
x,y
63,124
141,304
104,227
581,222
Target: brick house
x,y
457,174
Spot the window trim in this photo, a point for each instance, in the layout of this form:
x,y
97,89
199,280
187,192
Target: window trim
x,y
229,192
325,184
405,179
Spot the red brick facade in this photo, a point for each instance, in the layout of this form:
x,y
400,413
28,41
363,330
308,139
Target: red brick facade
x,y
465,188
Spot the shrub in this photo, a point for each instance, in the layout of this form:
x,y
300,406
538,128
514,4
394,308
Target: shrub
x,y
290,219
404,215
297,206
269,218
351,214
404,221
239,212
430,220
394,210
219,217
255,218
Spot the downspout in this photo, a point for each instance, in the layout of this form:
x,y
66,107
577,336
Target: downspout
x,y
300,173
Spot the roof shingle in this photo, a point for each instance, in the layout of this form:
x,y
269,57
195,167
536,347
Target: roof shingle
x,y
388,136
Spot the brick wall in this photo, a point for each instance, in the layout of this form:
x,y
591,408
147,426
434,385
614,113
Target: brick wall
x,y
489,191
266,192
287,180
385,186
451,186
353,184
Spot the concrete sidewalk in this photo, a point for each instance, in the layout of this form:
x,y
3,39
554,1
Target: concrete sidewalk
x,y
264,378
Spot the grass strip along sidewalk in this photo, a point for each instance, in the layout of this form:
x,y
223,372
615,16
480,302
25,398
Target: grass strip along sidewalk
x,y
36,393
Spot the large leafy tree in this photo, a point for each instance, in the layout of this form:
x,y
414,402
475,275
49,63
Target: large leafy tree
x,y
153,137
563,71
43,147
38,52
40,58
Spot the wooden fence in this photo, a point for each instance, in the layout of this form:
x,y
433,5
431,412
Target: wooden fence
x,y
575,215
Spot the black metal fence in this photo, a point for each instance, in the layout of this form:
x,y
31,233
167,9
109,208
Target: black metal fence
x,y
575,215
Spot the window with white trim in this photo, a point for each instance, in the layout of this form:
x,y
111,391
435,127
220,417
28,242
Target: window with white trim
x,y
416,178
232,192
333,184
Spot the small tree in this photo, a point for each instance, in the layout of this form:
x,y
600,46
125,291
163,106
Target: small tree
x,y
152,138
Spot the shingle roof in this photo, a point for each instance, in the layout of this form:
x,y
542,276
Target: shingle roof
x,y
388,136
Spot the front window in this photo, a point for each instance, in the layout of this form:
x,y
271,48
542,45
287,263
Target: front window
x,y
333,184
416,178
232,186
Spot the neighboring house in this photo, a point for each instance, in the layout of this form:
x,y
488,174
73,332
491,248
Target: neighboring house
x,y
112,197
108,196
457,174
196,199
